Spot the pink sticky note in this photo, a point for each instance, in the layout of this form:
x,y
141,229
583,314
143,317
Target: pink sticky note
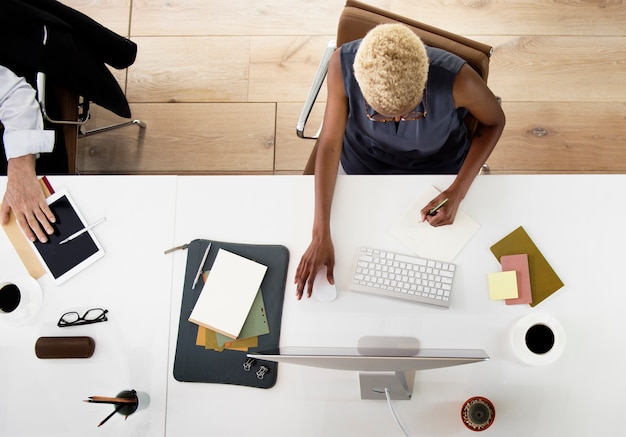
x,y
519,264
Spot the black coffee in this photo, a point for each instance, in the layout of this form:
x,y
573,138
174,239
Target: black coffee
x,y
539,339
10,297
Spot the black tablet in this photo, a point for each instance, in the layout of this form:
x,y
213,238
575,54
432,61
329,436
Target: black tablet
x,y
65,260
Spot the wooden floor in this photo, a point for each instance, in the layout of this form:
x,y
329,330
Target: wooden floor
x,y
221,84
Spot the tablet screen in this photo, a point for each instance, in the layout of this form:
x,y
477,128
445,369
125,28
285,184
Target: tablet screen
x,y
65,260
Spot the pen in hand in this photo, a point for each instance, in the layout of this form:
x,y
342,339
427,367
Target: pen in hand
x,y
434,210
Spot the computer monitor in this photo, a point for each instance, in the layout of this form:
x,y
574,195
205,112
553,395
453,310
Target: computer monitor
x,y
383,362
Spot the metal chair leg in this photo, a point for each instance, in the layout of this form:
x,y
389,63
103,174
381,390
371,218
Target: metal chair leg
x,y
99,130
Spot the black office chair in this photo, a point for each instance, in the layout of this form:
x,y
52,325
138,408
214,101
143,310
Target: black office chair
x,y
68,53
355,21
74,110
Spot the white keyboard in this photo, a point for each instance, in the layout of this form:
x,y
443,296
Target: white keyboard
x,y
402,276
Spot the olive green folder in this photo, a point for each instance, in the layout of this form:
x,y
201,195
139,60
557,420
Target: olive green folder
x,y
543,279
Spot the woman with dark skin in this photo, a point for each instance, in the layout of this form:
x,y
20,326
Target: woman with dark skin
x,y
469,91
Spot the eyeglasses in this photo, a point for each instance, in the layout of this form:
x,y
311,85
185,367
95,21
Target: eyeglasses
x,y
72,318
413,115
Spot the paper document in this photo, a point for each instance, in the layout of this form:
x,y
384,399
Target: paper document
x,y
228,294
441,243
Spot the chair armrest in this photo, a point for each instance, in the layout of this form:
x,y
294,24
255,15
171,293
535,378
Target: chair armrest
x,y
41,98
320,75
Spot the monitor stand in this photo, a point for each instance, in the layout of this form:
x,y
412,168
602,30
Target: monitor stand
x,y
399,384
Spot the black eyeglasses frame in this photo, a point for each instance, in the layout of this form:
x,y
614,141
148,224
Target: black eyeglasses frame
x,y
83,320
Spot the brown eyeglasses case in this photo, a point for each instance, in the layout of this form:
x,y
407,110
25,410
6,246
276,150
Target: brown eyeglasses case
x,y
64,347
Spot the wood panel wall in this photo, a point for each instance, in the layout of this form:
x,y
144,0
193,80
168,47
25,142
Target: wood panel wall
x,y
221,84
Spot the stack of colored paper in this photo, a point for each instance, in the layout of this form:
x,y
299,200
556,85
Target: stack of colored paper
x,y
255,325
534,277
512,284
230,312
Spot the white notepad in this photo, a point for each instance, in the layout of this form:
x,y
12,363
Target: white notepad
x,y
441,243
228,294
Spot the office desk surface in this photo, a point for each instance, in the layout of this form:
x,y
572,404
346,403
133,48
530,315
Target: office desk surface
x,y
576,221
133,281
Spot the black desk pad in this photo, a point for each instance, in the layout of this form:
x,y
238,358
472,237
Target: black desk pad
x,y
194,363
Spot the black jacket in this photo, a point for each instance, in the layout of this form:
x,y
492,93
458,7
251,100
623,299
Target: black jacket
x,y
75,53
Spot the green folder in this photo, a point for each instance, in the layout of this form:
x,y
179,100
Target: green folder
x,y
543,279
255,324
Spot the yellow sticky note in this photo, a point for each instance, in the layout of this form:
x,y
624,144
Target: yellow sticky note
x,y
502,285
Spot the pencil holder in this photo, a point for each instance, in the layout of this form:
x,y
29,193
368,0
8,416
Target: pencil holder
x,y
128,409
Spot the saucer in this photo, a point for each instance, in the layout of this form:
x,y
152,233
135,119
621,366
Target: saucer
x,y
30,303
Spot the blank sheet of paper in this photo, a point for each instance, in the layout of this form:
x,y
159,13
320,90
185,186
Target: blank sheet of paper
x,y
228,293
441,243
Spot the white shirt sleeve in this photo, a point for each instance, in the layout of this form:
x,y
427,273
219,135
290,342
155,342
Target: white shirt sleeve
x,y
21,117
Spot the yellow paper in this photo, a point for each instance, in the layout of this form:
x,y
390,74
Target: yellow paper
x,y
210,339
242,345
201,336
503,285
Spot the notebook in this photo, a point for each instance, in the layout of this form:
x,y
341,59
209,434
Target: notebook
x,y
228,293
442,243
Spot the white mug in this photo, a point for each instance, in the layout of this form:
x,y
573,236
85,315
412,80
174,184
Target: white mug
x,y
20,299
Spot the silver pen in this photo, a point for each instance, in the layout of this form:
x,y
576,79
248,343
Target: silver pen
x,y
83,230
206,254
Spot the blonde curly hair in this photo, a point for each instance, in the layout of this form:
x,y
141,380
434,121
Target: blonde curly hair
x,y
391,68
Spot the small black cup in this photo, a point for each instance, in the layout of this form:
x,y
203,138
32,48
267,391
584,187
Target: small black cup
x,y
10,297
539,339
130,408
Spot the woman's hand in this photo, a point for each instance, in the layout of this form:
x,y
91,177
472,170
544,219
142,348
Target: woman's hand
x,y
448,203
320,252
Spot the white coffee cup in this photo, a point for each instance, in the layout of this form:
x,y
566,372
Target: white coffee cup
x,y
538,339
20,299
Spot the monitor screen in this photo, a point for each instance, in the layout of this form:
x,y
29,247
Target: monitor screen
x,y
398,358
382,354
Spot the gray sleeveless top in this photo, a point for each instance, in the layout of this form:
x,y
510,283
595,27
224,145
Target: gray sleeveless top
x,y
436,144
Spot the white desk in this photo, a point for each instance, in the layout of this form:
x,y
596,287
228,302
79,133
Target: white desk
x,y
573,220
133,281
578,395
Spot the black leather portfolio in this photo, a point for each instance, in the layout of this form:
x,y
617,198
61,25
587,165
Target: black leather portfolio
x,y
195,363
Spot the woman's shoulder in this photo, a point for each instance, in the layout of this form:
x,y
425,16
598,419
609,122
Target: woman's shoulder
x,y
351,47
439,58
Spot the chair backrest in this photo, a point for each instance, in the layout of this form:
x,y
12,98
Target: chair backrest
x,y
358,18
